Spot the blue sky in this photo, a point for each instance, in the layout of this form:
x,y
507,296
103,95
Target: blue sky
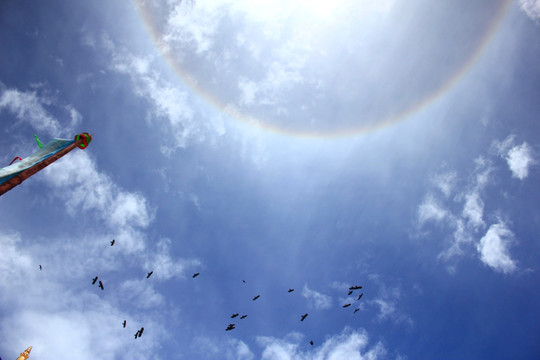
x,y
291,144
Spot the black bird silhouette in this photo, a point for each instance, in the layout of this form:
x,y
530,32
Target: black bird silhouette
x,y
94,280
355,310
256,297
244,281
124,323
311,342
234,315
40,268
303,317
290,290
141,331
346,305
101,285
360,296
355,287
112,242
195,275
350,292
149,274
136,334
230,327
243,316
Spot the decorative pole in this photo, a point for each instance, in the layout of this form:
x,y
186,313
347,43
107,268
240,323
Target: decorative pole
x,y
81,141
25,354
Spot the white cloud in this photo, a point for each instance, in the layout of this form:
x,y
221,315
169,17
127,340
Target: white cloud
x,y
431,210
493,248
28,107
238,350
163,266
194,23
183,125
316,299
350,345
518,157
474,209
84,188
58,306
466,226
248,90
387,301
445,182
519,160
531,7
460,236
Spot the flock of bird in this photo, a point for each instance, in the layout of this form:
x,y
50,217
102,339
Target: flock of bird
x,y
231,326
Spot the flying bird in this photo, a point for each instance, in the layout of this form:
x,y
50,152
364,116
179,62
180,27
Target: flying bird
x,y
149,274
230,327
355,310
141,331
124,323
350,292
243,316
311,342
112,242
290,290
195,275
234,315
346,305
359,296
244,281
101,285
40,268
303,317
136,334
256,297
356,287
94,280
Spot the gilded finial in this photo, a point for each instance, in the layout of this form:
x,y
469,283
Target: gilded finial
x,y
25,354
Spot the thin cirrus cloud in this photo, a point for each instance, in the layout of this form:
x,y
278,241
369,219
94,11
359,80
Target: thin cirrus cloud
x,y
467,228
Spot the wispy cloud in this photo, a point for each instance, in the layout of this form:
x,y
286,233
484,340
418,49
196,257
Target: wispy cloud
x,y
28,107
316,299
386,301
164,266
350,344
468,226
431,210
473,210
531,7
59,309
170,104
493,248
84,188
61,306
446,182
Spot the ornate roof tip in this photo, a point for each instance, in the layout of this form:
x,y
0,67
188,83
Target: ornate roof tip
x,y
25,354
